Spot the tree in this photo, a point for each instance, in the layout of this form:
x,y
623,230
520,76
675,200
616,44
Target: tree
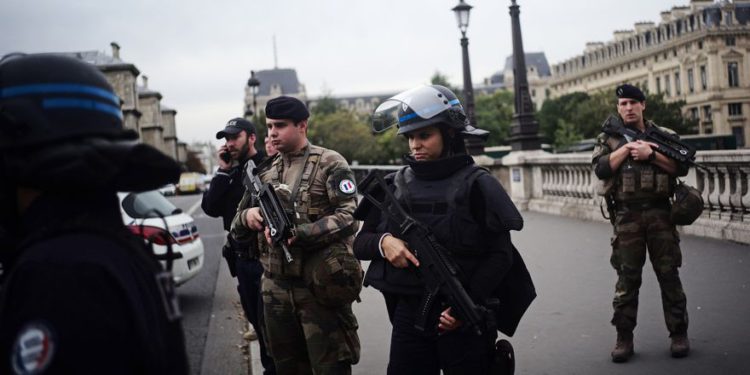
x,y
494,114
669,114
325,106
555,109
442,80
566,135
346,133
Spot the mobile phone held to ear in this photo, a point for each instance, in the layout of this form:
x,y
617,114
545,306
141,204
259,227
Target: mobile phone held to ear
x,y
226,156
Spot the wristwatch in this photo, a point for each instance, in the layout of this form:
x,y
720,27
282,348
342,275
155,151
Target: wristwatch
x,y
652,157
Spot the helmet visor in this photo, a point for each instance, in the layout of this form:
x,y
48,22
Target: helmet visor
x,y
423,102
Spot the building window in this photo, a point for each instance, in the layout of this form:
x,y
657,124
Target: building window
x,y
730,41
658,85
691,81
677,84
533,93
694,113
704,78
734,74
700,45
739,135
735,109
667,88
707,113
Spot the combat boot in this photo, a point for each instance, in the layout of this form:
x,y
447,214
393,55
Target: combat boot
x,y
680,345
623,348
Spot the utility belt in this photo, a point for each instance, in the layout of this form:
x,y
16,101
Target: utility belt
x,y
662,204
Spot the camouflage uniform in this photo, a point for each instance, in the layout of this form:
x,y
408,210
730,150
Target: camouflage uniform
x,y
305,335
641,193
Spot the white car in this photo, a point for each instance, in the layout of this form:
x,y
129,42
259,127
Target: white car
x,y
139,214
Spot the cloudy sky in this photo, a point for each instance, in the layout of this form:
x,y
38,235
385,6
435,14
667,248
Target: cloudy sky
x,y
199,53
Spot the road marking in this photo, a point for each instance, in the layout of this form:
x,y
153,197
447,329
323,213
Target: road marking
x,y
194,207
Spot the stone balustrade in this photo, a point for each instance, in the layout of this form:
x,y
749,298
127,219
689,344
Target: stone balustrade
x,y
565,184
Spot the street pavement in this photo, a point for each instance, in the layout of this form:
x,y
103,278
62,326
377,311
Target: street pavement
x,y
565,331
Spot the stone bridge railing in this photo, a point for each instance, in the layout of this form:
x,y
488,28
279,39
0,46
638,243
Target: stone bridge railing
x,y
564,184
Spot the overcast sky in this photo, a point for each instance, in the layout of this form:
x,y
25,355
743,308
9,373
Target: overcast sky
x,y
199,53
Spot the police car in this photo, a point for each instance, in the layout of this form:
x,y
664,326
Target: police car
x,y
139,214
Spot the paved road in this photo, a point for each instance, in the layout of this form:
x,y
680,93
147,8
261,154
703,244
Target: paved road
x,y
567,330
197,295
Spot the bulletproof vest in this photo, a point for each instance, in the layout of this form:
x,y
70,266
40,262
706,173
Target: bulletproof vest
x,y
637,181
444,206
306,208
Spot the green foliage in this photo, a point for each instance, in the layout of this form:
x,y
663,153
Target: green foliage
x,y
555,109
346,133
494,114
326,106
566,135
577,116
669,114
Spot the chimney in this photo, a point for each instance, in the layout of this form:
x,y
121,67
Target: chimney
x,y
115,50
144,79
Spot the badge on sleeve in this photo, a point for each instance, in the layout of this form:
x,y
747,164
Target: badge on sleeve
x,y
347,186
33,349
341,183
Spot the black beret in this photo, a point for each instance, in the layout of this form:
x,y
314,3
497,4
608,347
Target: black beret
x,y
630,92
286,107
236,125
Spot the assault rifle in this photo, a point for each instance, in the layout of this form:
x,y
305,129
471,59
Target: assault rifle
x,y
438,271
668,145
274,216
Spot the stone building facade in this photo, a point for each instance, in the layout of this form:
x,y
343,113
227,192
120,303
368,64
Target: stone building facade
x,y
699,53
141,107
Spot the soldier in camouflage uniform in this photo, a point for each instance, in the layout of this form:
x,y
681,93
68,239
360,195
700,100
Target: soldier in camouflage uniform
x,y
307,302
638,183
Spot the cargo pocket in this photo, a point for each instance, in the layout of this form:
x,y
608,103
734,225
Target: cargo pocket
x,y
348,324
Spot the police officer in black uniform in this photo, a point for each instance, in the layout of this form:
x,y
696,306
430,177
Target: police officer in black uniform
x,y
221,200
81,294
470,214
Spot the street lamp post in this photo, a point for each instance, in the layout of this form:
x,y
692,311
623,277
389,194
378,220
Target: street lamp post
x,y
524,129
475,146
253,84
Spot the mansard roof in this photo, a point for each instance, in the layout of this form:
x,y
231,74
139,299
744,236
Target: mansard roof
x,y
285,78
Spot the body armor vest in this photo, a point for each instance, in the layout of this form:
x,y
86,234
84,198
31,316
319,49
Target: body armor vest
x,y
306,208
639,181
444,206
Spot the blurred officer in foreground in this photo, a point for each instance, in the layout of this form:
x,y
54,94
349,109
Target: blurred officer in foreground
x,y
82,294
307,301
641,182
469,213
220,200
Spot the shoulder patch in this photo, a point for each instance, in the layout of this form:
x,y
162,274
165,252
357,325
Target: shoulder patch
x,y
342,181
33,349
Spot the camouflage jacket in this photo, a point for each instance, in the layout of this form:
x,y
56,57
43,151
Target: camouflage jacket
x,y
322,211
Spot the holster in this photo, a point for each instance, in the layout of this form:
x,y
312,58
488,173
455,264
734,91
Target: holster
x,y
228,253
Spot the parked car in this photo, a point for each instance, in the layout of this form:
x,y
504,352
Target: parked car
x,y
190,182
168,190
139,213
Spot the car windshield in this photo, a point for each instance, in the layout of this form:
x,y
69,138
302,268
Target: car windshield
x,y
146,204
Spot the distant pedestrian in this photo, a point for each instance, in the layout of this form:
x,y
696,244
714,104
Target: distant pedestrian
x,y
641,182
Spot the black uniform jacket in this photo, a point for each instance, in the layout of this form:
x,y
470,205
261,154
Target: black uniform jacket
x,y
83,298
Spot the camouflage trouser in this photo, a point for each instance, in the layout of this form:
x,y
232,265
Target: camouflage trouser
x,y
636,231
305,337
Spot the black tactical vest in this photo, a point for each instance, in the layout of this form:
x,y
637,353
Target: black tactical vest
x,y
444,206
